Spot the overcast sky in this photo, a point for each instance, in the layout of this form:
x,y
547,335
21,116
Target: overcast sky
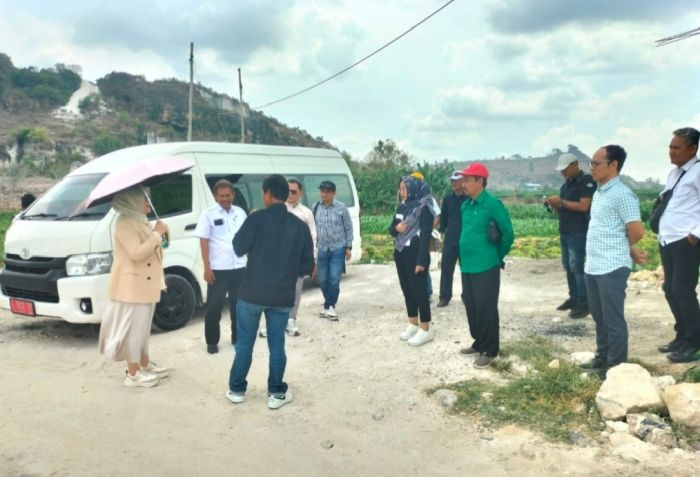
x,y
483,78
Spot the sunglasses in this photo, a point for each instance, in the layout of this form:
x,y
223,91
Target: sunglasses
x,y
598,163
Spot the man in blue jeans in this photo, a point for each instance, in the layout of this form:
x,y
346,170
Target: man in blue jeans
x,y
280,250
334,244
573,205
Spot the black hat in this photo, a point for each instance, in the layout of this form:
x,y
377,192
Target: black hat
x,y
327,185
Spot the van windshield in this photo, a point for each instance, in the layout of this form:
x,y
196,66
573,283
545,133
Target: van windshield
x,y
64,201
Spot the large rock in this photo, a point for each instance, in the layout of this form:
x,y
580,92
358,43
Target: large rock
x,y
651,428
627,388
683,402
446,397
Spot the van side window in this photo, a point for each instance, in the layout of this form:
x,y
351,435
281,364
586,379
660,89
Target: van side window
x,y
248,189
173,197
343,191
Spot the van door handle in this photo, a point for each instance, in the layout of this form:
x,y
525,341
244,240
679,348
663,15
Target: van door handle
x,y
190,227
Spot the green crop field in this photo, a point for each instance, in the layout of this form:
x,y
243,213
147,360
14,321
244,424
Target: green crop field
x,y
536,235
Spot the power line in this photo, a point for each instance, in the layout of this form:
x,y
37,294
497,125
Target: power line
x,y
678,37
357,62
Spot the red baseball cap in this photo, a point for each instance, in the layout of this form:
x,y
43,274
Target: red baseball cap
x,y
475,169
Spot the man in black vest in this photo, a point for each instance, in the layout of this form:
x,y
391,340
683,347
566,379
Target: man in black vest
x,y
573,206
450,227
679,232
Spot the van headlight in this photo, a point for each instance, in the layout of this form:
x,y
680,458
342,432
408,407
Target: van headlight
x,y
89,264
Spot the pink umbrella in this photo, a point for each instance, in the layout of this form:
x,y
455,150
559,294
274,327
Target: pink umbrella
x,y
145,173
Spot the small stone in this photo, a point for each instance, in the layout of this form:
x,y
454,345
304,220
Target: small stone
x,y
619,439
487,396
554,364
327,444
582,357
556,319
580,439
584,376
446,397
487,436
662,382
528,451
661,437
616,426
378,416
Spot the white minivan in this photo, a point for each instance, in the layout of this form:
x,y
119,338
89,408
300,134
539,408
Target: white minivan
x,y
57,261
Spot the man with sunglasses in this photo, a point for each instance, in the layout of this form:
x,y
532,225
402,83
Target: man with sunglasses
x,y
679,229
573,205
614,228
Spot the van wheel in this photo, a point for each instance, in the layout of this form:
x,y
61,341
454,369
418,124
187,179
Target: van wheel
x,y
176,304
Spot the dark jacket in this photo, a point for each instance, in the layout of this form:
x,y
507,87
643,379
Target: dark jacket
x,y
423,240
451,218
279,249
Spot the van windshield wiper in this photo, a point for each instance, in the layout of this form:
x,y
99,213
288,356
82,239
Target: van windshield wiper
x,y
82,215
41,215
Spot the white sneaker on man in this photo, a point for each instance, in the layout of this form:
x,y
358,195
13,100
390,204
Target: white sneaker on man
x,y
274,402
235,398
331,314
140,380
153,368
263,332
408,333
324,313
292,329
421,337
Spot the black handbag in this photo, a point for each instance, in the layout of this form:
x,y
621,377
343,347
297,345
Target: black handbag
x,y
661,203
494,233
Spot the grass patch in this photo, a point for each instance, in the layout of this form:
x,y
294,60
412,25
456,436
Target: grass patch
x,y
553,402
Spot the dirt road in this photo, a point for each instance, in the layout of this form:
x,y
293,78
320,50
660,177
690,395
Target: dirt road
x,y
360,404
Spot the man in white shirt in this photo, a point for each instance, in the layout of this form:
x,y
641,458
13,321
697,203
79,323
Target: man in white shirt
x,y
223,269
679,233
294,206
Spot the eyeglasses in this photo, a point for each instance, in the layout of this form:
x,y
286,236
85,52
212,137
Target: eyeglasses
x,y
598,163
293,192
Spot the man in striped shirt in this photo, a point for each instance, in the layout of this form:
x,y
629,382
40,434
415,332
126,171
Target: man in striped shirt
x,y
333,244
614,228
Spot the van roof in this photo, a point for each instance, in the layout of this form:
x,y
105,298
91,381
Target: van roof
x,y
108,162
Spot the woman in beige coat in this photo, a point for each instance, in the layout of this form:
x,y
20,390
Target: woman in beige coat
x,y
135,284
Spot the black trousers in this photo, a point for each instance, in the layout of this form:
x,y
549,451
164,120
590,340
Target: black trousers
x,y
225,281
450,256
480,298
681,260
413,285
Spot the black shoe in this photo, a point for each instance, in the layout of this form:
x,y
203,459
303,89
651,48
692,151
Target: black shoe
x,y
567,305
597,363
687,354
212,349
468,351
443,303
579,311
674,345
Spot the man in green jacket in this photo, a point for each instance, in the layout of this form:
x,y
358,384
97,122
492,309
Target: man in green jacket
x,y
485,240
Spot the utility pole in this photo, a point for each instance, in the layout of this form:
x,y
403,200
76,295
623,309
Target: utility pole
x,y
189,112
240,100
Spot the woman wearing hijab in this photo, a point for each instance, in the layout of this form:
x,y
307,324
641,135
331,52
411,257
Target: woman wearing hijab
x,y
411,230
135,283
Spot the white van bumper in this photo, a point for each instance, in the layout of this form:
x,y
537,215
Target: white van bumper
x,y
71,291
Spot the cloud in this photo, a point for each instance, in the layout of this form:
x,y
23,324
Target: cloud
x,y
528,16
233,29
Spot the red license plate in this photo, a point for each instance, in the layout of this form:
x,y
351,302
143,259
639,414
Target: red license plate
x,y
22,307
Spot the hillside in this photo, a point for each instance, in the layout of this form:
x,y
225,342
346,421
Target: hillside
x,y
51,119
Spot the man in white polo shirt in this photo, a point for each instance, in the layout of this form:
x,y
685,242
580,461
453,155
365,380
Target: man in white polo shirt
x,y
223,269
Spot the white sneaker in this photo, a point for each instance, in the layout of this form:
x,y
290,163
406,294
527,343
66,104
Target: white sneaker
x,y
421,337
235,398
324,313
140,380
408,333
292,329
153,368
263,332
332,314
276,402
